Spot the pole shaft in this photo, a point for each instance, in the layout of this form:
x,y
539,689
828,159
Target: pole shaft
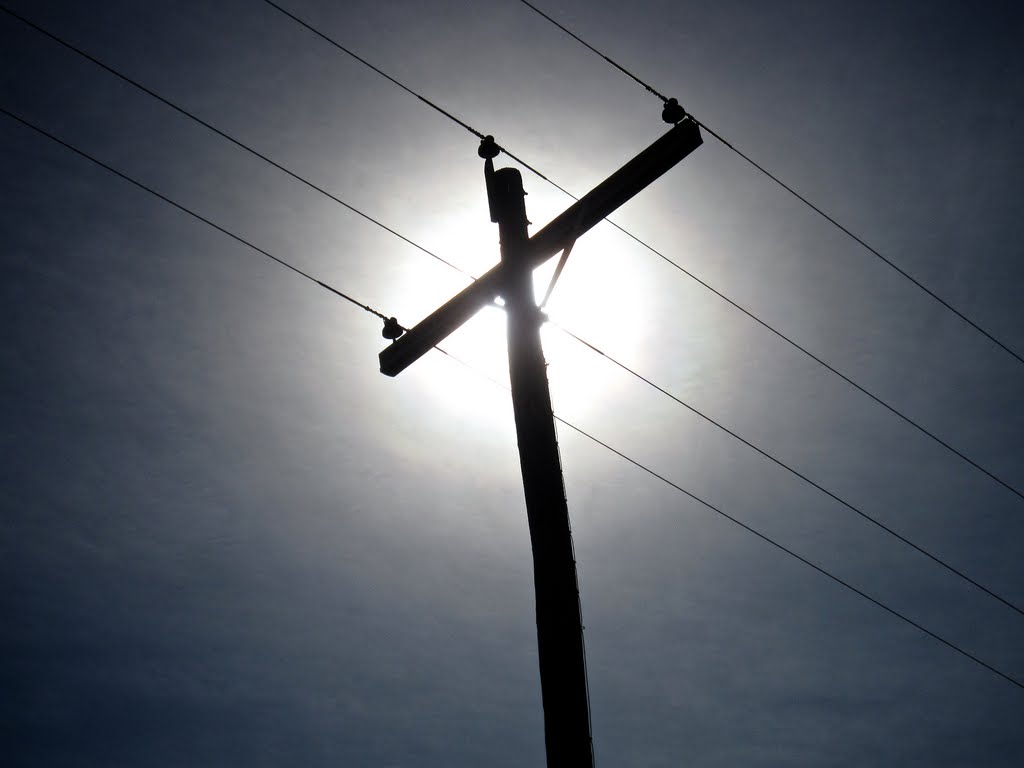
x,y
559,622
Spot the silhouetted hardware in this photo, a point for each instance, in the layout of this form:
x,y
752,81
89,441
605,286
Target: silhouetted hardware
x,y
392,330
578,218
488,149
673,113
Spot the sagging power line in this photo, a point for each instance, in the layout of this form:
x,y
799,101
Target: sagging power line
x,y
386,76
394,328
800,475
673,104
750,529
607,446
693,276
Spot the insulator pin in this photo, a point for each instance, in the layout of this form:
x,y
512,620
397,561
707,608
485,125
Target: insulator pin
x,y
392,330
672,113
488,149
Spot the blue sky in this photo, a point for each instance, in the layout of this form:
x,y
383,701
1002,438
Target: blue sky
x,y
228,540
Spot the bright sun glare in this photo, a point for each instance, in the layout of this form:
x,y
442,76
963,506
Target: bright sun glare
x,y
589,300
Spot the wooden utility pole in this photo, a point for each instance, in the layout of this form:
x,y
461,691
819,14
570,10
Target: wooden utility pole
x,y
563,672
559,627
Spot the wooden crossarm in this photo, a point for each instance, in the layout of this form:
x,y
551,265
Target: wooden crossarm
x,y
563,230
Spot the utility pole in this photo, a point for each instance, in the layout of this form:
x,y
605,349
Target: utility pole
x,y
559,625
563,672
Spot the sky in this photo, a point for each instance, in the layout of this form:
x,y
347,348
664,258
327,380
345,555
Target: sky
x,y
229,540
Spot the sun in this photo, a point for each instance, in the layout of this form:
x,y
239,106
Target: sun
x,y
599,297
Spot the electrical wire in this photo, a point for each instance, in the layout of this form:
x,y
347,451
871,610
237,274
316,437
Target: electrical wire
x,y
191,213
796,473
283,263
632,372
331,41
736,305
380,72
830,219
585,44
832,369
574,336
764,537
181,110
607,446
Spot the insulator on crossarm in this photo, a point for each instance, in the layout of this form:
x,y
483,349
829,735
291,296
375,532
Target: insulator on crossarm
x,y
672,113
488,149
392,330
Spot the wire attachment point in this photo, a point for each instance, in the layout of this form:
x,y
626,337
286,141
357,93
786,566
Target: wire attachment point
x,y
392,330
489,148
673,112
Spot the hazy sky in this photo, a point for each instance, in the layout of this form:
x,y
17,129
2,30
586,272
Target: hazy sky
x,y
228,540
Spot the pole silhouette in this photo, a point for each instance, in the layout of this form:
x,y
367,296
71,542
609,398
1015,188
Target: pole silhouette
x,y
563,674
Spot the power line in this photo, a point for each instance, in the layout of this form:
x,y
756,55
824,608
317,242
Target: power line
x,y
829,367
377,313
796,473
580,340
433,105
181,110
585,44
762,536
192,213
331,41
831,219
380,72
736,305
